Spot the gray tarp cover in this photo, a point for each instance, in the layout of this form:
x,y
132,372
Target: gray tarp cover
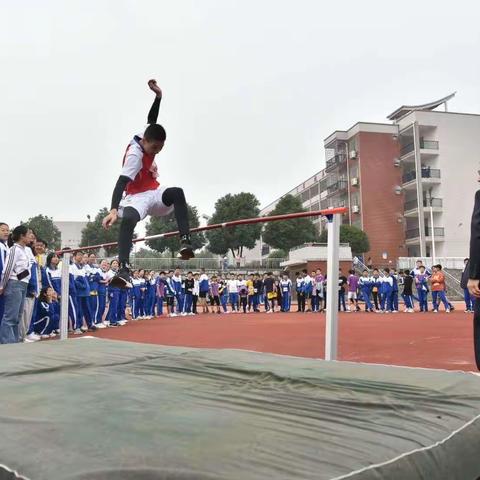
x,y
96,409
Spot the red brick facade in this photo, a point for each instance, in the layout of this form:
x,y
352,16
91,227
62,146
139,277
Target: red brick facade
x,y
381,209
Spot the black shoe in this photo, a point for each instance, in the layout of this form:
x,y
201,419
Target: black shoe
x,y
186,249
93,328
121,279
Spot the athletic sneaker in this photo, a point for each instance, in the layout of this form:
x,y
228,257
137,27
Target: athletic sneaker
x,y
186,249
78,331
33,337
435,311
191,313
447,310
100,325
122,322
172,315
93,328
122,278
83,329
113,325
45,336
53,335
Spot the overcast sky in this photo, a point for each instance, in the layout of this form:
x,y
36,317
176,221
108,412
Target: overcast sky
x,y
251,89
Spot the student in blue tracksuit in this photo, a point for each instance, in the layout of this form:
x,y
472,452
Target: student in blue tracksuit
x,y
113,295
104,278
469,299
45,321
365,283
395,278
421,282
286,289
170,294
4,233
387,291
223,292
83,293
150,294
93,276
178,289
136,295
52,277
300,289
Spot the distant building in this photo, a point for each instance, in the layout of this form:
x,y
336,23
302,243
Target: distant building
x,y
71,233
397,179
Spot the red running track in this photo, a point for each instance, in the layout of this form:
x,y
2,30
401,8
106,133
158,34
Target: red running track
x,y
418,340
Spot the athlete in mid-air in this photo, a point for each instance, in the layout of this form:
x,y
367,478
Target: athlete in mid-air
x,y
144,195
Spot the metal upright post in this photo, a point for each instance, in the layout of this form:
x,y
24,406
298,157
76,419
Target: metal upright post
x,y
65,296
331,327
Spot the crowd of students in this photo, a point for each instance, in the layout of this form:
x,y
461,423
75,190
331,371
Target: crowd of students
x,y
30,291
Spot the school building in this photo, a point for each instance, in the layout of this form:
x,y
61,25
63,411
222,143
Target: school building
x,y
409,184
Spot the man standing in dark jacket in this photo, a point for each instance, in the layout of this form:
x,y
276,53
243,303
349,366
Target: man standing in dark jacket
x,y
474,273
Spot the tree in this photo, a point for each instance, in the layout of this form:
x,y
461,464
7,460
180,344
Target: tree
x,y
234,207
354,236
147,253
168,223
95,234
286,234
278,254
46,230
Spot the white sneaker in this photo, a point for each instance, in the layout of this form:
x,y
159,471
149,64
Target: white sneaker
x,y
100,325
447,310
33,337
122,322
26,340
435,311
191,313
173,315
83,329
53,335
44,336
78,331
269,311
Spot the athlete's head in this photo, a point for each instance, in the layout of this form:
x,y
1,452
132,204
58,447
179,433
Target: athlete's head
x,y
154,139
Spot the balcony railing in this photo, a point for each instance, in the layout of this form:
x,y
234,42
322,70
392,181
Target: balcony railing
x,y
337,186
427,172
429,144
424,144
413,204
335,161
407,149
415,232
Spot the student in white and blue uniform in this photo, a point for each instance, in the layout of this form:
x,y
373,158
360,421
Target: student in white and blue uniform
x,y
150,294
365,283
113,295
177,288
52,277
286,289
83,294
4,232
46,319
136,295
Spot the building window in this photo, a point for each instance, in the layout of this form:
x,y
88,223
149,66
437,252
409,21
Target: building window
x,y
354,171
352,144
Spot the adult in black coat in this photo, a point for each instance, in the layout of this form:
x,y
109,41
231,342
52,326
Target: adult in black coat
x,y
473,283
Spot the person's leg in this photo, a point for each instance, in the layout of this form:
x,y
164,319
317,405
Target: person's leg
x,y
13,310
435,300
176,197
375,299
444,300
130,218
476,331
26,318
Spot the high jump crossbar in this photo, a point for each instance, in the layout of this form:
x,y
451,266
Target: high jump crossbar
x,y
333,216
